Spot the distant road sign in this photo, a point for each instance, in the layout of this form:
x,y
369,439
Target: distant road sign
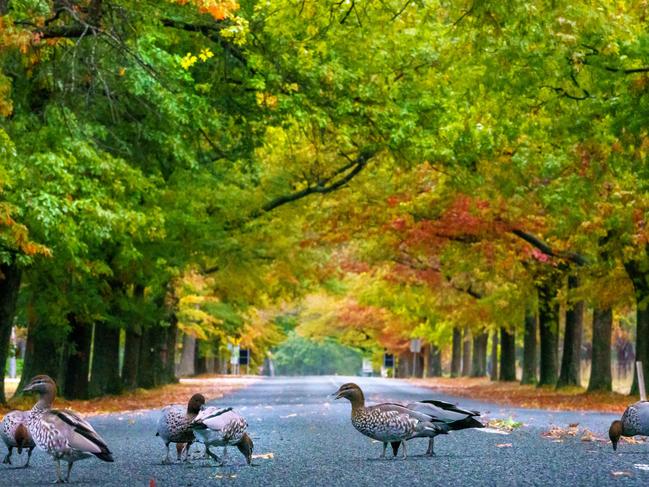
x,y
244,356
367,366
388,360
415,345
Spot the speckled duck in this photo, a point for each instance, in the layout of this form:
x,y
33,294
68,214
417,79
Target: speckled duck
x,y
15,434
388,422
174,425
63,434
635,421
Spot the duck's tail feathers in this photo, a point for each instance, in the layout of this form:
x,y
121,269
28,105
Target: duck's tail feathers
x,y
468,422
429,428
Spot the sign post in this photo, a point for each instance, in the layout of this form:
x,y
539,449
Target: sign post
x,y
234,360
415,348
244,358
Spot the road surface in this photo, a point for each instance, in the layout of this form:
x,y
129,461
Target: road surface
x,y
305,438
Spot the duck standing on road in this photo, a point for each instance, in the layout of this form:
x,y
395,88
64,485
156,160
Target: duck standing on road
x,y
635,421
62,433
454,417
387,422
222,427
174,425
15,434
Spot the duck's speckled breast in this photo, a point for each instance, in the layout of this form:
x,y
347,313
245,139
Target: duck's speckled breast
x,y
381,425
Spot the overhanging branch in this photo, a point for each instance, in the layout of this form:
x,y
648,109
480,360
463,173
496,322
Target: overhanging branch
x,y
549,251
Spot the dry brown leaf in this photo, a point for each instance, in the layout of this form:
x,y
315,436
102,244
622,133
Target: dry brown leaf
x,y
265,456
621,473
504,445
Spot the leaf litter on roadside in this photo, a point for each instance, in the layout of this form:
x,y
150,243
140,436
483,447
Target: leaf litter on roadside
x,y
506,425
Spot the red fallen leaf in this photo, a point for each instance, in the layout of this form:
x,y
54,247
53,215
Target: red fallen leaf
x,y
151,483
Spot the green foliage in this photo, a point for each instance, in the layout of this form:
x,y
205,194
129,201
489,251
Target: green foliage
x,y
301,356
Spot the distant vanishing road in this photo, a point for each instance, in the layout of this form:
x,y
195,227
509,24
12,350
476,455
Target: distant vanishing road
x,y
312,442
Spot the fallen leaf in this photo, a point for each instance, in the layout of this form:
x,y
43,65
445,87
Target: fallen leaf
x,y
265,456
504,445
641,466
288,416
621,473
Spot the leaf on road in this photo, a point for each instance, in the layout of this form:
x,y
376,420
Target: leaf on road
x,y
641,466
558,433
505,424
621,473
633,440
264,456
504,445
289,416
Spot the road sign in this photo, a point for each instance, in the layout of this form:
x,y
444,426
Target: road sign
x,y
415,345
388,360
367,366
244,356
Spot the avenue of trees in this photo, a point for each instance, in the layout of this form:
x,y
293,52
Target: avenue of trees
x,y
180,175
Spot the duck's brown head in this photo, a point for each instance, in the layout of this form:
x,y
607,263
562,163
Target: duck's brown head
x,y
41,384
245,446
195,404
614,432
351,392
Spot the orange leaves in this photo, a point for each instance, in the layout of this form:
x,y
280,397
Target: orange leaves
x,y
218,9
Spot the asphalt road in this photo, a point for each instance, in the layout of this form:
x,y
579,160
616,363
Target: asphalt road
x,y
305,438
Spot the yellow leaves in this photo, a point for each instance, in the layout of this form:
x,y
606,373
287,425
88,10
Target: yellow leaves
x,y
6,104
189,59
205,54
266,100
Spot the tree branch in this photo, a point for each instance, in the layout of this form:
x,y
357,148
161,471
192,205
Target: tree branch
x,y
547,250
327,185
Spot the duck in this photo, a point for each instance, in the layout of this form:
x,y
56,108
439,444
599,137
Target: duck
x,y
388,422
454,417
63,434
634,421
15,434
174,426
223,427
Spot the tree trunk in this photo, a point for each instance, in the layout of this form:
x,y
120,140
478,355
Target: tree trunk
x,y
507,355
456,355
493,373
571,361
104,378
78,360
200,364
529,349
640,280
186,366
433,366
479,363
466,353
10,275
169,358
43,355
151,373
130,369
549,333
600,372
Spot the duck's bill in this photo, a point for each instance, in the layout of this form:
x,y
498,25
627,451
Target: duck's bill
x,y
337,395
28,388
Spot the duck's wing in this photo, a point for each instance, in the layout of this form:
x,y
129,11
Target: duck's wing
x,y
213,418
387,407
456,418
447,406
79,433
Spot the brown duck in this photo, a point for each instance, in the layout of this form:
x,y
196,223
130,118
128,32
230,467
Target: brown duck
x,y
387,422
